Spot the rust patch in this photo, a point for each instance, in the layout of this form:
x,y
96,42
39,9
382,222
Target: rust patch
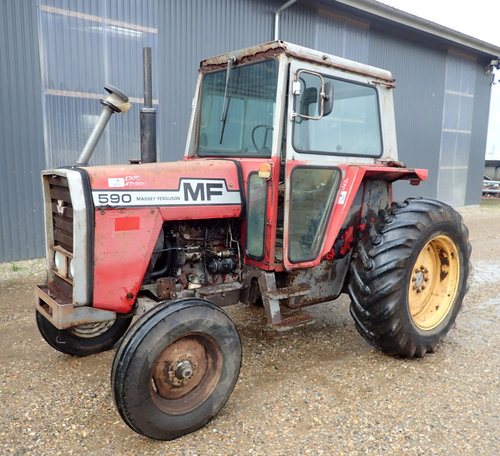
x,y
165,287
207,67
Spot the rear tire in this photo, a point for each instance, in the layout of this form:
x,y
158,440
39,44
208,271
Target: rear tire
x,y
83,340
409,277
176,368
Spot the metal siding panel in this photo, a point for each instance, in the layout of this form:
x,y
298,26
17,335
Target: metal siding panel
x,y
480,117
298,24
88,44
456,129
418,103
343,34
193,31
21,140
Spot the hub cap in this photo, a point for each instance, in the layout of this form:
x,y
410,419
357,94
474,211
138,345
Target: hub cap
x,y
186,373
434,282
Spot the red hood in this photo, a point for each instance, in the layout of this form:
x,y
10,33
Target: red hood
x,y
165,175
194,185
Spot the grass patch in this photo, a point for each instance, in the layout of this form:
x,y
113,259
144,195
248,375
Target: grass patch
x,y
15,267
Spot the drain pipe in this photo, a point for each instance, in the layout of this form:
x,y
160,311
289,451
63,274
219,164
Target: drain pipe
x,y
277,17
116,101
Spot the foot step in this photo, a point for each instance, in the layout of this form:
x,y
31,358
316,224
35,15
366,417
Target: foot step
x,y
286,292
294,321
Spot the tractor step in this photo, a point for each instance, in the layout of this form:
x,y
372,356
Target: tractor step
x,y
294,321
271,297
286,292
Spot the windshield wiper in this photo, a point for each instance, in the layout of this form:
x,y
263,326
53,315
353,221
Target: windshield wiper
x,y
226,101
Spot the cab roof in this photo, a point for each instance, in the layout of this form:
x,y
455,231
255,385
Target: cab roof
x,y
298,52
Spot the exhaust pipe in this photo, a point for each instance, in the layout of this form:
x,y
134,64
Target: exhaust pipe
x,y
148,113
115,102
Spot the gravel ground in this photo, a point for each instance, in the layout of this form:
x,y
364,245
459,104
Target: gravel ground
x,y
315,390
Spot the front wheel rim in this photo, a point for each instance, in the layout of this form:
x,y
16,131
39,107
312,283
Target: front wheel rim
x,y
434,282
186,373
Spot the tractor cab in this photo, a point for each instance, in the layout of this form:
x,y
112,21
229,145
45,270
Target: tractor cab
x,y
304,128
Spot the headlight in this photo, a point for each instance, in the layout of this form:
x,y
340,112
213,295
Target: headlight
x,y
71,272
59,262
62,263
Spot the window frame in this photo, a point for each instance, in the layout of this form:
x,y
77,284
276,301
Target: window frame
x,y
338,154
238,154
249,199
328,213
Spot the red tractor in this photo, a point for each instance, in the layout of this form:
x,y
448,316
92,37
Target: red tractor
x,y
284,199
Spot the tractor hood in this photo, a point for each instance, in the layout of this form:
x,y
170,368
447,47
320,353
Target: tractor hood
x,y
194,187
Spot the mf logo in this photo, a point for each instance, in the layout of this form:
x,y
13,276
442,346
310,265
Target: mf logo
x,y
202,191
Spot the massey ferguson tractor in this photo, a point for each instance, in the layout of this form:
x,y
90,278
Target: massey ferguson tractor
x,y
283,199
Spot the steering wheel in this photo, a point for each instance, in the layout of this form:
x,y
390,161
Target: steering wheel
x,y
267,129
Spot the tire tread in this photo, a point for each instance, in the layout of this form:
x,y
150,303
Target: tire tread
x,y
378,313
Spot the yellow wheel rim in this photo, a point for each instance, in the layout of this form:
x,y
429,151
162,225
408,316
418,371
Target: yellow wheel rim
x,y
434,282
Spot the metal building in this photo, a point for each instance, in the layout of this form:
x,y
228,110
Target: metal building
x,y
56,56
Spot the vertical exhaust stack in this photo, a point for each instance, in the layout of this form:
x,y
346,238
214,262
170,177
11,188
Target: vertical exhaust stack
x,y
148,113
116,101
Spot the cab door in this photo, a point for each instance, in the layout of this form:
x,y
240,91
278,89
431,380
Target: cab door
x,y
332,123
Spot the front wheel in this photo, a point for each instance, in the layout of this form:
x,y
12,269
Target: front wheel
x,y
409,277
176,368
83,340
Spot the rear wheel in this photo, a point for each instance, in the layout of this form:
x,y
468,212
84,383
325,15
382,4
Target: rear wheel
x,y
176,368
83,340
410,276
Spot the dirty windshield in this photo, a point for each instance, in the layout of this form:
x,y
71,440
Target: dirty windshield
x,y
237,110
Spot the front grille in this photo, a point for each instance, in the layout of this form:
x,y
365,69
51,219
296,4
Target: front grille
x,y
62,212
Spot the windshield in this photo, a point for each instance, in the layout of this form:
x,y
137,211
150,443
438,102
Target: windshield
x,y
238,120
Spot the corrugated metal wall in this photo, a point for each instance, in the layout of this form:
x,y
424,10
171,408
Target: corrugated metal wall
x,y
418,102
419,65
480,117
456,133
85,44
194,30
21,138
203,28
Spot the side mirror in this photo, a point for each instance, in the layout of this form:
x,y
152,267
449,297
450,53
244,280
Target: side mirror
x,y
328,98
316,96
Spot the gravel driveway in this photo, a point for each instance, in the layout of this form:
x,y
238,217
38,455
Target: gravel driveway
x,y
315,390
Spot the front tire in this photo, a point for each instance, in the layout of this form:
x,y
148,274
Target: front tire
x,y
83,340
176,368
409,278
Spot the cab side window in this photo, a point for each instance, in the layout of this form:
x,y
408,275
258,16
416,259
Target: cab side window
x,y
351,128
